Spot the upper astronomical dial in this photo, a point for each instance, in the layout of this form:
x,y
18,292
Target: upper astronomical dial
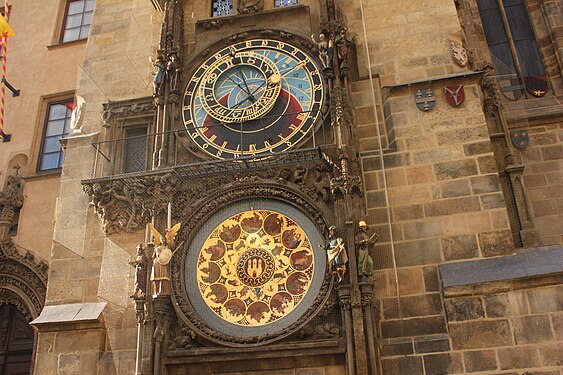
x,y
253,97
240,88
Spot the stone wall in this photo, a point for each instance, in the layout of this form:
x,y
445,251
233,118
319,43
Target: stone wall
x,y
34,56
513,332
543,180
86,265
403,41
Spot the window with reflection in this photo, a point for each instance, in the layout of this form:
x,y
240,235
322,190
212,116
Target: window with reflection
x,y
78,18
57,126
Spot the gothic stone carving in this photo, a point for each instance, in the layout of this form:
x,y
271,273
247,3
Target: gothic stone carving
x,y
11,198
250,6
114,111
127,204
23,281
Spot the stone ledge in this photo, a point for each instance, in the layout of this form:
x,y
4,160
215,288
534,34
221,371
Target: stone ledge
x,y
535,263
70,313
332,347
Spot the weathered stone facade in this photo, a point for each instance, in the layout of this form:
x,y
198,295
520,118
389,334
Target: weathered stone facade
x,y
466,220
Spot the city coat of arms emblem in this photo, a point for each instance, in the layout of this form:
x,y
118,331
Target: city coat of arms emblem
x,y
537,86
520,138
425,99
511,86
455,95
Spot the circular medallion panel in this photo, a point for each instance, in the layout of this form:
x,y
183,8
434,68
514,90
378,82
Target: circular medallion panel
x,y
255,269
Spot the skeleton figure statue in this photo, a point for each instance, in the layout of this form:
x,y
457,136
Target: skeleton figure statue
x,y
325,49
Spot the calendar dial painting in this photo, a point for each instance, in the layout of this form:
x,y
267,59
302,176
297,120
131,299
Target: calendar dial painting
x,y
255,267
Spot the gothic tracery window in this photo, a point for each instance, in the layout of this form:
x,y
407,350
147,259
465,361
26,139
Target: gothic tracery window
x,y
510,38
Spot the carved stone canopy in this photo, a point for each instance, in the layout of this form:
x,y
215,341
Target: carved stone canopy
x,y
128,202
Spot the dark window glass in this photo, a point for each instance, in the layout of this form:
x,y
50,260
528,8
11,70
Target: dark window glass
x,y
520,34
57,126
77,20
135,150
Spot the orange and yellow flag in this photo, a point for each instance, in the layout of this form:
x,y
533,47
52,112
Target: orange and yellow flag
x,y
5,29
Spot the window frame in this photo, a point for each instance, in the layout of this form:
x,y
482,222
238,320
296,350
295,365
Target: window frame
x,y
48,104
64,21
223,15
283,6
507,25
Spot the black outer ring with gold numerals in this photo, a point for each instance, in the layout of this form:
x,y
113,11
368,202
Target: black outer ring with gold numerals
x,y
291,119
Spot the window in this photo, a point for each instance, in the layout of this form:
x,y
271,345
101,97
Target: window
x,y
222,8
57,126
284,3
511,42
77,20
135,150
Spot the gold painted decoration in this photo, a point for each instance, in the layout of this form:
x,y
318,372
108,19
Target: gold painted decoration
x,y
255,267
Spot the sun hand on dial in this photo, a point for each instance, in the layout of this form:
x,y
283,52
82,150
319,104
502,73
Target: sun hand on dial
x,y
254,98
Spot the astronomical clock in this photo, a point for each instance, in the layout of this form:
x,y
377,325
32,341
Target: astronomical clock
x,y
250,152
253,271
256,96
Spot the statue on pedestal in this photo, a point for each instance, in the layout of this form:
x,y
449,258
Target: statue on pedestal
x,y
140,263
343,42
363,242
336,252
325,49
160,275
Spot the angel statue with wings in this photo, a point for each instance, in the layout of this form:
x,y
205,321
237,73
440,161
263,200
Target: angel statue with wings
x,y
160,276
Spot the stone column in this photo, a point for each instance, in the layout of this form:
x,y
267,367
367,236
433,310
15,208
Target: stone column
x,y
140,317
161,311
366,289
345,304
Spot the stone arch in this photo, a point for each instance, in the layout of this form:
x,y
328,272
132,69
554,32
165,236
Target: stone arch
x,y
23,281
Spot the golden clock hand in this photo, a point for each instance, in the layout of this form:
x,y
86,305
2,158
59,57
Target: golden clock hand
x,y
244,81
236,83
299,65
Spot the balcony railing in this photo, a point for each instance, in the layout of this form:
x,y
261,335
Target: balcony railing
x,y
137,154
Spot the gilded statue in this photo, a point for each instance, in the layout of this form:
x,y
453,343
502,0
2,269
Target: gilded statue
x,y
160,275
336,253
